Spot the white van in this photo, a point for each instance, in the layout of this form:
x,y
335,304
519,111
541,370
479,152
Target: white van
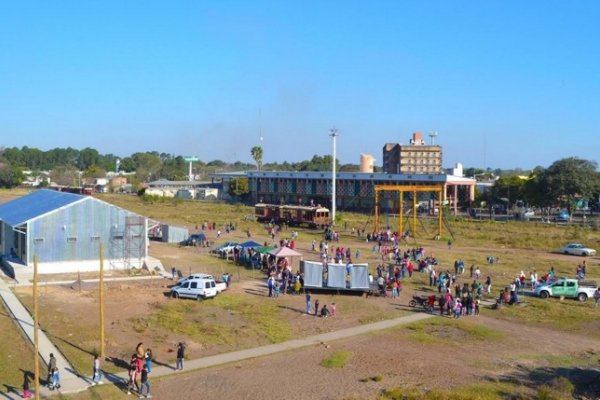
x,y
194,277
194,287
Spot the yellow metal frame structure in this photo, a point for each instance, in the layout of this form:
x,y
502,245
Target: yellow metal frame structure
x,y
414,189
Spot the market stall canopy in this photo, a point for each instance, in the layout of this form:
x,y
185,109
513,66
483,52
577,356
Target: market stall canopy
x,y
284,252
249,244
264,249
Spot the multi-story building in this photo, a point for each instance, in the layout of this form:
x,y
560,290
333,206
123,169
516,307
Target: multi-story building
x,y
414,158
355,191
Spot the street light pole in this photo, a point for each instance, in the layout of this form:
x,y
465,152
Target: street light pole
x,y
333,135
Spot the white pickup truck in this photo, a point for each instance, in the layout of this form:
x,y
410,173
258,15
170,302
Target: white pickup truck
x,y
568,288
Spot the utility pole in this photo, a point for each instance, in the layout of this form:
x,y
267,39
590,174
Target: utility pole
x,y
36,345
333,135
101,300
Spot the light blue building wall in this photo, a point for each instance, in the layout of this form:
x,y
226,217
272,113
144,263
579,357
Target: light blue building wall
x,y
74,234
65,231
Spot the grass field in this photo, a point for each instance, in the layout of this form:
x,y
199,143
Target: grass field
x,y
238,320
16,355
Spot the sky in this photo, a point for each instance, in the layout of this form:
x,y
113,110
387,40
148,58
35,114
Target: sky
x,y
505,84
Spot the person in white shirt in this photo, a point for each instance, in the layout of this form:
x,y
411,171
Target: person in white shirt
x,y
533,278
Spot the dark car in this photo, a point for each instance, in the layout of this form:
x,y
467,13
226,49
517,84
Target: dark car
x,y
195,239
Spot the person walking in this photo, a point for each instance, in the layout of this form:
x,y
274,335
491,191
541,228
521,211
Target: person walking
x,y
148,360
26,392
316,307
132,385
145,384
180,356
96,374
55,380
271,285
51,367
308,305
597,296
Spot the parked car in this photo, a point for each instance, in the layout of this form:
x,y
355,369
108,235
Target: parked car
x,y
195,239
197,286
577,249
562,216
571,288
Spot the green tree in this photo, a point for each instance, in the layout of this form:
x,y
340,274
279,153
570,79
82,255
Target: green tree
x,y
147,165
174,168
94,171
257,155
65,175
239,187
87,158
511,188
318,163
564,181
10,176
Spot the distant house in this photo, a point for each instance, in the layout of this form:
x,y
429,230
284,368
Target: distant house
x,y
65,230
118,183
188,190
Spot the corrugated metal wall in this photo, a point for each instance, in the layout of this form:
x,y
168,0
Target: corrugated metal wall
x,y
75,232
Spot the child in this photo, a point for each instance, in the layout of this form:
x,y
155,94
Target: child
x,y
26,392
297,286
132,374
96,375
180,356
333,309
55,379
145,384
148,360
457,309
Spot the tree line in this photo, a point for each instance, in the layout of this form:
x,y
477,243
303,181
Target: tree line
x,y
68,166
564,184
561,184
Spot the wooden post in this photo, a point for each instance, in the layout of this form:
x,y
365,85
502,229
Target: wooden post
x,y
414,221
376,221
101,301
439,213
35,330
401,214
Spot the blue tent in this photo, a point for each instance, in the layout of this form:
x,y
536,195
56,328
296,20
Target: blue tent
x,y
249,244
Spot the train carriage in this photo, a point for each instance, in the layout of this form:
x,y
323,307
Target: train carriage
x,y
292,215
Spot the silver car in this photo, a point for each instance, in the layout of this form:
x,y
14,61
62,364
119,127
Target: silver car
x,y
577,249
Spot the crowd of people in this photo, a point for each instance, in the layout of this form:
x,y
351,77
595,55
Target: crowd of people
x,y
140,365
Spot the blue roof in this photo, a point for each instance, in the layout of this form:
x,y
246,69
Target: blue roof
x,y
17,212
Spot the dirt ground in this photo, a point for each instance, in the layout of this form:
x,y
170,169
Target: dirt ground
x,y
453,358
523,355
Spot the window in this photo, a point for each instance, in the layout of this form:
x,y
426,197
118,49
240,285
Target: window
x,y
39,240
95,238
207,285
71,239
194,285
